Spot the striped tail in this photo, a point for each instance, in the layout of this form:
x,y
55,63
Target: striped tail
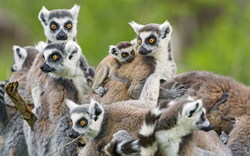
x,y
3,113
122,145
147,139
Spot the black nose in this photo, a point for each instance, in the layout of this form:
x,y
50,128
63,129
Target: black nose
x,y
46,68
61,36
210,127
73,134
144,51
12,69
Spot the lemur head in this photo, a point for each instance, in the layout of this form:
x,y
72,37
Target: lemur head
x,y
85,118
59,24
185,114
152,36
123,51
23,57
61,59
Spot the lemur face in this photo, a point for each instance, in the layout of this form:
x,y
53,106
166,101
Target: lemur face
x,y
20,55
152,36
123,51
85,118
59,24
60,58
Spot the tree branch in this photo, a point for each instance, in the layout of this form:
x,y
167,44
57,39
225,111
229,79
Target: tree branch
x,y
11,89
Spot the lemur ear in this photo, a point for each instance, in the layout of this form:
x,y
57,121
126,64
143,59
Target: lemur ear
x,y
19,53
74,11
136,26
95,109
71,48
43,16
191,108
41,46
134,42
165,29
70,104
113,50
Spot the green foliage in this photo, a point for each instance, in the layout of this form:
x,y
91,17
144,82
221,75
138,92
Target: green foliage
x,y
219,44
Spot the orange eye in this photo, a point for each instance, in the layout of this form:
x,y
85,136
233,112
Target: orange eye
x,y
133,52
54,57
203,117
69,26
82,123
71,124
139,41
151,40
43,59
124,55
53,26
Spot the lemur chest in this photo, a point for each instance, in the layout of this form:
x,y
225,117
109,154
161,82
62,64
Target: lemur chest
x,y
81,86
166,68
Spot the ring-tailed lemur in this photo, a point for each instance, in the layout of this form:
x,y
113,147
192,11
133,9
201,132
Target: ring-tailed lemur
x,y
104,121
12,131
59,24
158,59
68,70
174,133
122,53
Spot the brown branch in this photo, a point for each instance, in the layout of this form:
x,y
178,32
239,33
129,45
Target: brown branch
x,y
11,89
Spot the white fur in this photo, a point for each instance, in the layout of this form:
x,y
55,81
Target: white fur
x,y
74,11
147,130
134,42
19,61
119,147
40,46
96,125
136,26
70,104
119,51
45,13
149,151
192,106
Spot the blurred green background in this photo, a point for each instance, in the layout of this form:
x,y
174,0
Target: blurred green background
x,y
207,35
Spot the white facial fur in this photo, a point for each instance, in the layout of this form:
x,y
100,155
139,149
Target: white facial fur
x,y
118,52
95,125
53,34
66,67
20,55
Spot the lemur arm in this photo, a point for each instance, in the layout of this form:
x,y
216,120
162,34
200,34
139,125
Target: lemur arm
x,y
99,78
174,92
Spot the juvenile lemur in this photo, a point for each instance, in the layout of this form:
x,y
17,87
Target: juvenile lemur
x,y
120,54
155,57
104,121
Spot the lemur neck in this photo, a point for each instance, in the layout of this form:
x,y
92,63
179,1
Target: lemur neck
x,y
169,140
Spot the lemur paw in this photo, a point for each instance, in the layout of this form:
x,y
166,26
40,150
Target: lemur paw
x,y
103,90
224,137
175,91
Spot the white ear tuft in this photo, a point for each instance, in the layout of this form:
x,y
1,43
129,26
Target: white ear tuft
x,y
191,108
70,104
74,11
95,109
190,98
19,53
136,26
113,50
134,42
43,16
71,47
40,46
165,29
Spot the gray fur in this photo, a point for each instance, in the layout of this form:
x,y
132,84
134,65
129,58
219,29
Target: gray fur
x,y
60,14
3,113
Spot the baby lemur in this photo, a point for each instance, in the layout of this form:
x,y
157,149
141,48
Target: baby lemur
x,y
122,53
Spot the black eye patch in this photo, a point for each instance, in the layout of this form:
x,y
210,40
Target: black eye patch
x,y
55,56
83,122
68,25
124,54
151,40
52,24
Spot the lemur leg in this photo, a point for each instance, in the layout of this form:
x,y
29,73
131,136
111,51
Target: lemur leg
x,y
101,75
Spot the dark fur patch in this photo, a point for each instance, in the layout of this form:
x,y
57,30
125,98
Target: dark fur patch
x,y
184,142
60,45
169,51
146,141
3,112
31,55
59,14
127,148
150,27
164,104
123,45
71,55
43,19
166,32
150,61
